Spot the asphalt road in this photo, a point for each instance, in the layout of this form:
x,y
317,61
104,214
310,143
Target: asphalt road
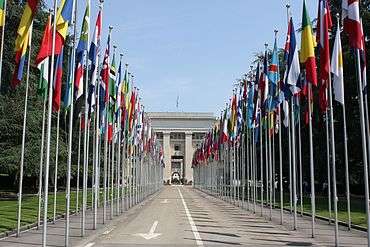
x,y
183,216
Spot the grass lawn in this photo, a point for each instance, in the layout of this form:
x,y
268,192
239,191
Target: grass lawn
x,y
358,215
9,208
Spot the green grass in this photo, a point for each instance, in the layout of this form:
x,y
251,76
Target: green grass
x,y
358,213
9,208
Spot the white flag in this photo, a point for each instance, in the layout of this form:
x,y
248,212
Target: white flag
x,y
337,69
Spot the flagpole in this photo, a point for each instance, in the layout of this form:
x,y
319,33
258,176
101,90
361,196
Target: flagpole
x,y
280,169
56,168
87,128
333,161
300,161
328,161
19,216
2,42
312,171
78,162
41,165
364,140
261,163
70,134
48,132
97,134
294,164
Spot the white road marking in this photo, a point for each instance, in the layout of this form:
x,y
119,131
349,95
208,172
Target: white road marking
x,y
191,221
108,231
165,201
90,244
151,233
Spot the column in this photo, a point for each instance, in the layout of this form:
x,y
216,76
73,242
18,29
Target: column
x,y
167,156
189,151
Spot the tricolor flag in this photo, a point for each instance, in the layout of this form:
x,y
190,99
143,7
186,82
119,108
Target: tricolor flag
x,y
308,43
2,12
337,69
64,19
22,41
43,65
292,60
80,51
352,22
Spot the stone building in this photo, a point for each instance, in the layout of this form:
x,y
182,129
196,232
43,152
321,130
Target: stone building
x,y
180,133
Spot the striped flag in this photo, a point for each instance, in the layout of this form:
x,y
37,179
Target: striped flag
x,y
58,82
351,22
43,65
2,12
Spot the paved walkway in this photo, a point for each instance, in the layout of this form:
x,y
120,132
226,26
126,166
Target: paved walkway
x,y
183,216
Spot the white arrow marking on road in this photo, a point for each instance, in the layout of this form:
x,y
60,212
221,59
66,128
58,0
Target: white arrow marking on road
x,y
165,201
151,233
90,244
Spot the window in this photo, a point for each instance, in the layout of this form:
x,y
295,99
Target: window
x,y
177,147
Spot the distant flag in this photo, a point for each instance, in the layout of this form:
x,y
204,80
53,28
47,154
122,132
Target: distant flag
x,y
112,97
22,41
58,82
104,92
43,65
352,23
93,57
273,69
292,60
308,43
2,12
363,61
80,51
324,24
337,69
225,135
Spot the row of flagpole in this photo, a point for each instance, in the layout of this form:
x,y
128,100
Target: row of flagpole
x,y
262,98
132,159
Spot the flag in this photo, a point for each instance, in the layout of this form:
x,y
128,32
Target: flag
x,y
112,97
58,82
64,18
337,69
22,41
351,22
324,24
363,61
2,13
273,69
292,60
81,48
68,95
307,55
93,57
43,65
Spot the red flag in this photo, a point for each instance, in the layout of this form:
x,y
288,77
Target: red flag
x,y
351,22
58,82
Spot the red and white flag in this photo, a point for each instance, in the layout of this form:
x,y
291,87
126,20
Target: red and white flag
x,y
352,22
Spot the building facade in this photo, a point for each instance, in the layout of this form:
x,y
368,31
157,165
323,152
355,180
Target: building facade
x,y
180,133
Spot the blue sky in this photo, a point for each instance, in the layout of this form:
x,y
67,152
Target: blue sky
x,y
193,49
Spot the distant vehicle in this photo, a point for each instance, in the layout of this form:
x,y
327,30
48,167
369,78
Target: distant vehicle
x,y
175,178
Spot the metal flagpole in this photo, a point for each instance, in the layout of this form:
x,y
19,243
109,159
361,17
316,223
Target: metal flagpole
x,y
273,167
112,176
333,162
280,169
119,149
312,171
300,162
261,163
87,128
328,161
294,166
2,42
78,164
348,194
270,163
19,215
70,139
364,140
56,169
41,165
290,164
48,131
106,157
266,165
97,134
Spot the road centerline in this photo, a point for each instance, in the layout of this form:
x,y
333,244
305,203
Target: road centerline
x,y
194,228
